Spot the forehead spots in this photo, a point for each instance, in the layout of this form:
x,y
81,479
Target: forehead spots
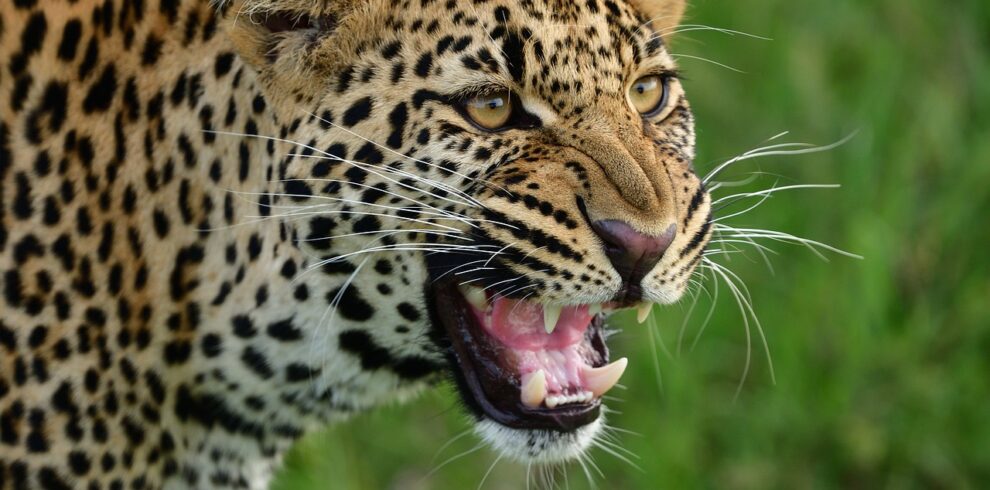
x,y
515,58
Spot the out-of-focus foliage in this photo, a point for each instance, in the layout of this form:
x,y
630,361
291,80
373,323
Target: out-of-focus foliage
x,y
881,364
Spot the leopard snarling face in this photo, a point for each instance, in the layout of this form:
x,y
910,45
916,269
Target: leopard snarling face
x,y
527,166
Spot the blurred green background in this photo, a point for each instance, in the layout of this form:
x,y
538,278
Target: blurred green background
x,y
881,364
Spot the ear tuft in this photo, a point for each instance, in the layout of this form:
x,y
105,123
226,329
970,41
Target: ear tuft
x,y
663,15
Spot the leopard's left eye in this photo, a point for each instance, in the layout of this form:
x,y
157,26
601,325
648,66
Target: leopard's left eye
x,y
648,95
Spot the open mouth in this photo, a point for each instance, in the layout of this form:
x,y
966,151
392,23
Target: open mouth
x,y
525,364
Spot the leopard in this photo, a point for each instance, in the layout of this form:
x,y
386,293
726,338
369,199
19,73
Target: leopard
x,y
227,224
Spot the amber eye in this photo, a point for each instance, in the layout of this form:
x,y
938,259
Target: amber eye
x,y
649,94
490,111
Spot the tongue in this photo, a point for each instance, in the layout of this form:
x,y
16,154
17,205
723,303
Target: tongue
x,y
552,363
519,325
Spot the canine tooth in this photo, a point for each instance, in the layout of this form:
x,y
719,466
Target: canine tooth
x,y
643,311
602,379
594,309
534,389
551,313
475,297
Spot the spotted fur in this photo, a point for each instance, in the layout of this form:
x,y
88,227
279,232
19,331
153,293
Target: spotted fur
x,y
216,219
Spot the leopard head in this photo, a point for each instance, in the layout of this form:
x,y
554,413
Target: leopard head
x,y
521,169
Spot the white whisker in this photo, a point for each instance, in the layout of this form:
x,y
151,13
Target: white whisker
x,y
489,472
776,150
699,58
448,444
452,459
682,28
446,187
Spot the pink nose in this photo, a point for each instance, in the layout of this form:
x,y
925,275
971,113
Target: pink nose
x,y
633,254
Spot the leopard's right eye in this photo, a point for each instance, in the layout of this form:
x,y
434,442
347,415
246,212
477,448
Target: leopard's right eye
x,y
491,112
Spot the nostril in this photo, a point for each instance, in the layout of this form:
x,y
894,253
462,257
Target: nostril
x,y
631,252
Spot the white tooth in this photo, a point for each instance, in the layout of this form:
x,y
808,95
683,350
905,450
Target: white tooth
x,y
602,379
534,389
551,313
643,311
475,297
594,309
552,401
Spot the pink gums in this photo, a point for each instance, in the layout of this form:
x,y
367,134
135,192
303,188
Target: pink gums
x,y
518,325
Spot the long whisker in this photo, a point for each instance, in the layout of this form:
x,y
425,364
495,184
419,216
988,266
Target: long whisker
x,y
656,358
766,193
689,315
406,247
489,472
775,150
448,188
813,245
452,459
378,169
330,313
604,447
747,312
449,443
680,29
699,58
364,166
383,191
451,236
435,212
364,213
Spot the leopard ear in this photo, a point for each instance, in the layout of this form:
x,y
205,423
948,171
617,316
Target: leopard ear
x,y
293,44
663,15
265,30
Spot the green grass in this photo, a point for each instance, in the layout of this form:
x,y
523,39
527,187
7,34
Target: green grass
x,y
882,364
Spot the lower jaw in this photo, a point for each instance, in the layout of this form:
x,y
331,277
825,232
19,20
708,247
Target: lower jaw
x,y
539,446
471,357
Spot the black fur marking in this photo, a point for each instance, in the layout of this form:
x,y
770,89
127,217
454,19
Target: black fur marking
x,y
359,111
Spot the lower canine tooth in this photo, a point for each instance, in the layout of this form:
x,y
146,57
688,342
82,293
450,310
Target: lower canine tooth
x,y
534,389
600,380
594,309
643,312
551,314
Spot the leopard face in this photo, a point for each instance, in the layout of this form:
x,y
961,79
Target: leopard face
x,y
223,225
528,167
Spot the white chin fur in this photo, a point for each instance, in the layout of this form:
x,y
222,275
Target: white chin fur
x,y
538,446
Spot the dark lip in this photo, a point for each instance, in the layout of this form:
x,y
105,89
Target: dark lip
x,y
488,388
